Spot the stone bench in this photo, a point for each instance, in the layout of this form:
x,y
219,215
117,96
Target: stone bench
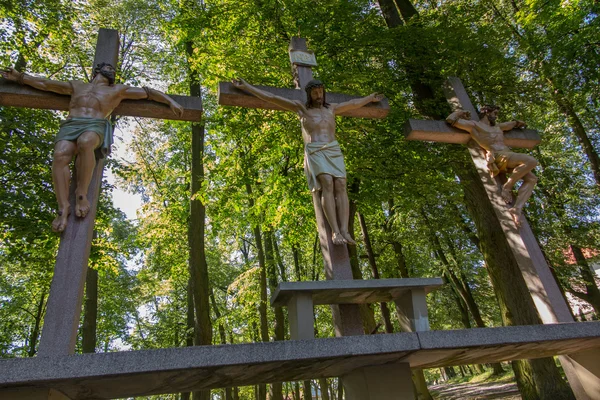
x,y
408,294
185,369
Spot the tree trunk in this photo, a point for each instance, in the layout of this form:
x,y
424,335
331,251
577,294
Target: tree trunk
x,y
296,254
306,390
385,312
324,388
222,336
90,314
262,307
567,108
277,392
35,333
189,337
450,372
197,259
396,245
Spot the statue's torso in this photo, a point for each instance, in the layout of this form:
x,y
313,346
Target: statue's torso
x,y
93,101
490,137
318,125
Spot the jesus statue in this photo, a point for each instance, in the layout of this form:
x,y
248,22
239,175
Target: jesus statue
x,y
323,159
85,129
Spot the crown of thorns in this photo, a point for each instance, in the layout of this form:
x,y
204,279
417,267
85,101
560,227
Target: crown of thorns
x,y
315,83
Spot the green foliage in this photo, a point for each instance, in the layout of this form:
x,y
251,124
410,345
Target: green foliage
x,y
505,53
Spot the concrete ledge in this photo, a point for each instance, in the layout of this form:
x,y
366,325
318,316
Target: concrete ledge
x,y
440,131
229,95
15,95
352,291
485,345
142,373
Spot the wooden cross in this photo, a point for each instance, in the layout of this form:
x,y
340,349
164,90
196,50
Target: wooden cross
x,y
346,317
66,291
542,286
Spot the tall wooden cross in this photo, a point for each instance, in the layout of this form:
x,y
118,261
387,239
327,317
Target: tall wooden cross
x,y
66,292
346,317
544,290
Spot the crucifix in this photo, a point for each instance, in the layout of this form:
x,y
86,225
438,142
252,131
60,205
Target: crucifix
x,y
318,132
66,292
582,372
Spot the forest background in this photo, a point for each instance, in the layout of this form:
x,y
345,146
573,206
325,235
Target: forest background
x,y
226,213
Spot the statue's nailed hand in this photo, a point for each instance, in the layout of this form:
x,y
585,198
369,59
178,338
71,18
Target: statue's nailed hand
x,y
10,74
239,83
377,97
463,114
520,124
176,108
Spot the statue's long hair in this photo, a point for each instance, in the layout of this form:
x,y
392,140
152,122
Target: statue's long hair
x,y
315,83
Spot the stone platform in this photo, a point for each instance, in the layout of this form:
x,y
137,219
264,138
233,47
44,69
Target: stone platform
x,y
141,373
352,291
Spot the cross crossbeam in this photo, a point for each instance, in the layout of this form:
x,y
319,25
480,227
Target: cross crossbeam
x,y
15,95
440,131
231,96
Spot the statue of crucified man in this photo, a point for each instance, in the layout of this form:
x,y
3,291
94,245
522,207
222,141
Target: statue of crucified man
x,y
323,159
85,129
500,158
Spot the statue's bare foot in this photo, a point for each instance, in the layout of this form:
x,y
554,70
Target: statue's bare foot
x,y
506,194
348,238
82,206
337,238
60,222
516,215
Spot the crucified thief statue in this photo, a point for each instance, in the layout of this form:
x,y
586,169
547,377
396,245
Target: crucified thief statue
x,y
500,158
85,129
323,159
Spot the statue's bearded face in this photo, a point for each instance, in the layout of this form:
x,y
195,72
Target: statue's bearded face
x,y
492,117
317,95
109,73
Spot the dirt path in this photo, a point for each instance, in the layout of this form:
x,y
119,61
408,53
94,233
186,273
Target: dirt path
x,y
478,391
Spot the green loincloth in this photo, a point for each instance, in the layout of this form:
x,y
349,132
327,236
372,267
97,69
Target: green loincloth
x,y
323,158
72,128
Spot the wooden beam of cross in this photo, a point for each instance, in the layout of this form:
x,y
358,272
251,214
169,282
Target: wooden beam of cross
x,y
582,372
66,292
347,318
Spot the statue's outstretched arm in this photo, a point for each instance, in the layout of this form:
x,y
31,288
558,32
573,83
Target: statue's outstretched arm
x,y
507,126
460,119
356,103
287,104
135,93
48,85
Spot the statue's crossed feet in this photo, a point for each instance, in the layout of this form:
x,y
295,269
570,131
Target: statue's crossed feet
x,y
60,222
342,238
82,205
348,238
